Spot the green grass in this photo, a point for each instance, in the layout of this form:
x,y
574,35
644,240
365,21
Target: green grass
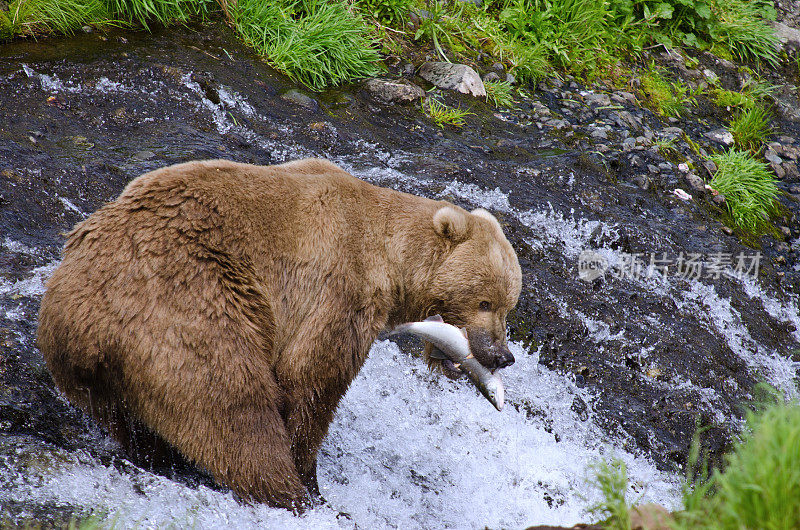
x,y
757,489
750,128
324,45
665,97
329,42
749,189
163,12
443,115
742,29
498,93
36,17
760,484
611,480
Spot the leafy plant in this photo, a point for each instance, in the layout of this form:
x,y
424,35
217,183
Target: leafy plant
x,y
760,485
748,186
750,127
611,479
730,98
498,93
439,26
391,12
572,32
443,115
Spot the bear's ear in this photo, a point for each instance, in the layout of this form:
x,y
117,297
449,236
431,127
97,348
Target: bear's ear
x,y
451,224
480,212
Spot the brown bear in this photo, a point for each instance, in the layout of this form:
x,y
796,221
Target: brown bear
x,y
227,307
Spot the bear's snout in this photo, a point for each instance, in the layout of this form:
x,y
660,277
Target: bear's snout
x,y
503,357
493,354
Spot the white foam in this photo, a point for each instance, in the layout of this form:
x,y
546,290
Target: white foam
x,y
225,122
407,449
781,311
235,100
16,246
31,286
491,199
50,83
725,320
70,206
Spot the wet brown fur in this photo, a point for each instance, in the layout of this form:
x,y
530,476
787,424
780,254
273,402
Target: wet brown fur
x,y
227,307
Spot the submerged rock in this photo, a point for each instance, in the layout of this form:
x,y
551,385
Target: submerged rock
x,y
394,91
453,77
300,98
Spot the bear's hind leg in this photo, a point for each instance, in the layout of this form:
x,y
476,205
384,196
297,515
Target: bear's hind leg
x,y
254,458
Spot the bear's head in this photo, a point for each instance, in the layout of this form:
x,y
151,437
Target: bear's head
x,y
476,281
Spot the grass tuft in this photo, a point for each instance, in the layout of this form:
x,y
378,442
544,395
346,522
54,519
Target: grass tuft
x,y
750,128
443,115
742,29
667,99
749,188
163,12
498,93
36,17
611,479
760,485
322,45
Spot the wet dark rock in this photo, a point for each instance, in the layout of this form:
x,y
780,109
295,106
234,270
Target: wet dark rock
x,y
491,77
143,155
772,157
790,170
710,167
510,79
580,408
696,183
602,100
389,91
451,76
300,98
787,102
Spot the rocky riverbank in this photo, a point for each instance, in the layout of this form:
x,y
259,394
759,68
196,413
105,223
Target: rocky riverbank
x,y
630,359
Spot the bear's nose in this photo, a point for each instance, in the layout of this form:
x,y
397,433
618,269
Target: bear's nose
x,y
504,357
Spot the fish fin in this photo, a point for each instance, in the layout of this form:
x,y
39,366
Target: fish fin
x,y
402,328
436,353
434,318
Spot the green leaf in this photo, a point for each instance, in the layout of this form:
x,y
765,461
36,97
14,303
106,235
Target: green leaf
x,y
703,10
690,39
664,10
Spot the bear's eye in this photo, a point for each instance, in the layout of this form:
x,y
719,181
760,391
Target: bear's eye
x,y
485,306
